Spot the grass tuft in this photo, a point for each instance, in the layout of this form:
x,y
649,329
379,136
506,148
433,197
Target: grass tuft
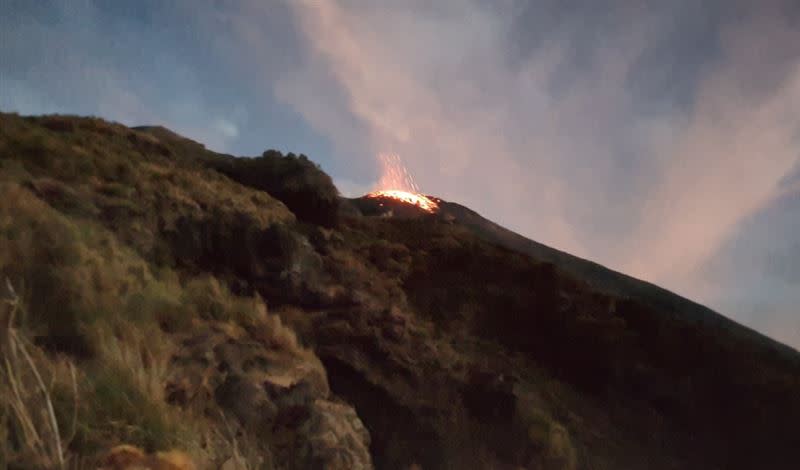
x,y
32,430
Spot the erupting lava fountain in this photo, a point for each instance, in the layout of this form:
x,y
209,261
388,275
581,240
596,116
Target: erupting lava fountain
x,y
396,183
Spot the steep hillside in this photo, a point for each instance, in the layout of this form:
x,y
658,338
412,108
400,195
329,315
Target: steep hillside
x,y
241,312
604,279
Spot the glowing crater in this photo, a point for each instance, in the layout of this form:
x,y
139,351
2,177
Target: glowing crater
x,y
396,183
423,202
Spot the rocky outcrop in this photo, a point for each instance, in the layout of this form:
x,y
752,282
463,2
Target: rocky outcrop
x,y
334,437
293,179
278,392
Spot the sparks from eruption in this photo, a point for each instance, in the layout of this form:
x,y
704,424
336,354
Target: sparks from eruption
x,y
396,183
395,175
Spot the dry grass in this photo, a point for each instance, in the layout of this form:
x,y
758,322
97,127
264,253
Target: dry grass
x,y
136,361
44,425
32,430
236,449
140,354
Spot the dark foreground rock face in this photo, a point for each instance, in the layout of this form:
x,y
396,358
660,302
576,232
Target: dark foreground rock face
x,y
279,391
241,311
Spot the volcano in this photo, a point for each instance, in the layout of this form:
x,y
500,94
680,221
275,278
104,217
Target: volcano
x,y
238,309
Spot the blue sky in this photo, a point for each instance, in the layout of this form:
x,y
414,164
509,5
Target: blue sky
x,y
658,138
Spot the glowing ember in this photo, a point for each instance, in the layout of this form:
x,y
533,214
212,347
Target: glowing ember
x,y
423,202
395,175
396,183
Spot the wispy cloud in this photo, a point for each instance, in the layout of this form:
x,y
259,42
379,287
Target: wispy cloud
x,y
727,161
557,140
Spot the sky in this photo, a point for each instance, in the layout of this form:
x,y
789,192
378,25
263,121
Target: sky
x,y
661,139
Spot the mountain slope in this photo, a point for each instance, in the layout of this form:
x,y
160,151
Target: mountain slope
x,y
618,339
233,309
606,280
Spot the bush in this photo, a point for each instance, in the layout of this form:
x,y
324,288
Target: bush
x,y
63,197
295,180
58,123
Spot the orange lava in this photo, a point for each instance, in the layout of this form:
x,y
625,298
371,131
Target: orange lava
x,y
396,183
423,202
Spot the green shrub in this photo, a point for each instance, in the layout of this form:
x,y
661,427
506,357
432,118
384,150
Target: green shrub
x,y
295,180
